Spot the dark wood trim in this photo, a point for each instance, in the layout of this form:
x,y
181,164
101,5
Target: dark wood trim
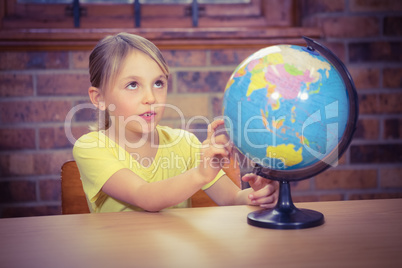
x,y
183,38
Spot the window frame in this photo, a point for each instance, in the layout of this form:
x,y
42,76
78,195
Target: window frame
x,y
257,13
26,35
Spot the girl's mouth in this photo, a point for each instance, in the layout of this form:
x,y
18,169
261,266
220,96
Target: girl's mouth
x,y
148,116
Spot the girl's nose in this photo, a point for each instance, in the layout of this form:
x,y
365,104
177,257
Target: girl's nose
x,y
149,97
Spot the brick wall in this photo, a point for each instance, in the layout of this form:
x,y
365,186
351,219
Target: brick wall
x,y
367,36
37,91
39,88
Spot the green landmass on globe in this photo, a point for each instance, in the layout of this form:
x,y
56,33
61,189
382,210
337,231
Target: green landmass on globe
x,y
285,107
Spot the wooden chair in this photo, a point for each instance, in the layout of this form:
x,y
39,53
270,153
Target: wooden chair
x,y
73,200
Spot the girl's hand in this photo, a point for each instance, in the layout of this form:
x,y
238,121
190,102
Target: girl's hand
x,y
215,152
265,192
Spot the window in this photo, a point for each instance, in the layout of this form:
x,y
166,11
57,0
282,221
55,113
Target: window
x,y
19,14
53,24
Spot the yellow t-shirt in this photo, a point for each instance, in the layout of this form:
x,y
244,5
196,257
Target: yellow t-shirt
x,y
99,157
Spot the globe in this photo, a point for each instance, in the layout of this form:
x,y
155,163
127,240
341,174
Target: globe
x,y
292,111
287,108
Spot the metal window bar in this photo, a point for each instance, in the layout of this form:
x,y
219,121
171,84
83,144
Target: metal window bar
x,y
76,10
194,13
76,13
137,13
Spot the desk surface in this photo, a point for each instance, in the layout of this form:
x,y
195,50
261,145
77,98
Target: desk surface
x,y
355,234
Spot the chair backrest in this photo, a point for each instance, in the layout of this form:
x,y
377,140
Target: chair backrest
x,y
73,200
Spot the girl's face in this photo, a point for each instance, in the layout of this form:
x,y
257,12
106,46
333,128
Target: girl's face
x,y
137,98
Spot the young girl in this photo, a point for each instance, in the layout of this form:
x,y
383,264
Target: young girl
x,y
132,163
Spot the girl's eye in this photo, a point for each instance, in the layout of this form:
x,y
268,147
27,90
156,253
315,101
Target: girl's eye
x,y
132,85
159,84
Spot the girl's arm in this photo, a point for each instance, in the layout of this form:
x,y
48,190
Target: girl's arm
x,y
128,187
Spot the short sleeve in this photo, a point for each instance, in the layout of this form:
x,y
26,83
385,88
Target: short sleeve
x,y
220,174
96,163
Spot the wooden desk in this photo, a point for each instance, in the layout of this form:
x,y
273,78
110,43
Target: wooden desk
x,y
355,234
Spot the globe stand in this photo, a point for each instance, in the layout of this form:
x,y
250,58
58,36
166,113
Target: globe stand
x,y
285,215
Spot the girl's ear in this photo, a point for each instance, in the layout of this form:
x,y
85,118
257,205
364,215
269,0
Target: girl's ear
x,y
96,98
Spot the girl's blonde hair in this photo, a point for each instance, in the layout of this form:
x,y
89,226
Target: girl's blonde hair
x,y
106,60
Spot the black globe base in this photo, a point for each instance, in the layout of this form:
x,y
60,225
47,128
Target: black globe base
x,y
277,219
285,215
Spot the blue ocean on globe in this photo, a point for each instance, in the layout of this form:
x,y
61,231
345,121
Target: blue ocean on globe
x,y
286,107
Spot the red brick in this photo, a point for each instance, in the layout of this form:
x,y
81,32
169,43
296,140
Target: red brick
x,y
185,58
13,60
342,160
346,179
375,52
34,111
316,198
376,153
171,81
17,164
392,26
87,112
391,177
346,27
24,164
279,13
17,191
16,85
380,103
392,77
375,196
311,21
63,84
300,185
202,81
367,129
50,190
337,48
30,211
230,56
365,78
393,128
80,59
390,103
50,163
368,104
311,7
14,139
33,60
304,198
55,138
217,106
375,5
